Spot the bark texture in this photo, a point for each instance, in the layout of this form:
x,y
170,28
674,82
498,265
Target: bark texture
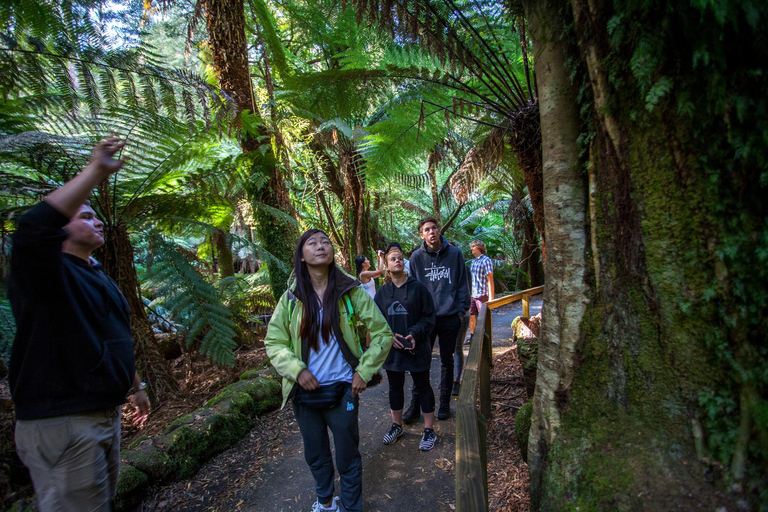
x,y
632,373
225,21
565,208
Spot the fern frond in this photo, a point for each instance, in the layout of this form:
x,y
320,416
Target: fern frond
x,y
193,302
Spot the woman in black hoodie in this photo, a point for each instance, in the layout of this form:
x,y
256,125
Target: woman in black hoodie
x,y
407,305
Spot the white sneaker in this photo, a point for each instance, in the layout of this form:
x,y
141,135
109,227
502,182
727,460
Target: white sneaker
x,y
317,507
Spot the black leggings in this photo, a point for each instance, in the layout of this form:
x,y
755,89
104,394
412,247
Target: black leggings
x,y
421,385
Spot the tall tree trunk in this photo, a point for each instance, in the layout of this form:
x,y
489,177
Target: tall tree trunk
x,y
225,20
117,257
633,370
525,235
565,203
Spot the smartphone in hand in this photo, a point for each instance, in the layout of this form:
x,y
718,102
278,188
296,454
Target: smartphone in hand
x,y
408,344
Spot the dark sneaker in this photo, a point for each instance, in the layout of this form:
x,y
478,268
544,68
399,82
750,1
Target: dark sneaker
x,y
444,412
428,440
413,413
455,388
395,431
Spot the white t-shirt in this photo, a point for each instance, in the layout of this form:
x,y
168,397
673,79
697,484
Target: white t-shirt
x,y
327,364
370,287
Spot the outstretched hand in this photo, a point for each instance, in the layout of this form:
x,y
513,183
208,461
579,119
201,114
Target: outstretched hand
x,y
104,153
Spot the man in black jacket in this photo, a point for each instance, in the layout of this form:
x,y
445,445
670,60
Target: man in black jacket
x,y
441,268
72,361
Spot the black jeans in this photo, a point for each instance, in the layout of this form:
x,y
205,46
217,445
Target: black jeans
x,y
446,330
420,383
342,420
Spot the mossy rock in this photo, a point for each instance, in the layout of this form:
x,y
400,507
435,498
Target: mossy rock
x,y
523,427
250,374
528,354
151,460
259,389
131,487
224,431
196,437
136,442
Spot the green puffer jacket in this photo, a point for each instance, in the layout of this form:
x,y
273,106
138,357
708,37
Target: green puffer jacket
x,y
284,345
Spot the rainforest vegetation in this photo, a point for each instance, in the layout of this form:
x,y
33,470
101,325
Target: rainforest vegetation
x,y
615,152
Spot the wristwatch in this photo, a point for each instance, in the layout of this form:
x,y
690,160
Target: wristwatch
x,y
136,389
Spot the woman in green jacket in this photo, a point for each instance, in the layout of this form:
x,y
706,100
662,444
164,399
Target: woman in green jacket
x,y
312,343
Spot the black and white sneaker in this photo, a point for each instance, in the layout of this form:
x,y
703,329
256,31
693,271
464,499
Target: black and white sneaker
x,y
395,431
428,440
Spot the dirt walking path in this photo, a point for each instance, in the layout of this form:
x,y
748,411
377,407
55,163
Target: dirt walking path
x,y
266,471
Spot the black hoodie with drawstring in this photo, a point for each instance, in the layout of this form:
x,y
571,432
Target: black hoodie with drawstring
x,y
409,309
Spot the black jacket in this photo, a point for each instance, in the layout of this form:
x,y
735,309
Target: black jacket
x,y
409,310
445,274
73,350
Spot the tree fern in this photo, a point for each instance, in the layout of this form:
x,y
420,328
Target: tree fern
x,y
194,302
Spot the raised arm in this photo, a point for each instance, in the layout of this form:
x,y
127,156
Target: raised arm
x,y
68,198
367,275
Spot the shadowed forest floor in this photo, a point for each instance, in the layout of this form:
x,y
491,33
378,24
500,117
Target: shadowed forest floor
x,y
266,471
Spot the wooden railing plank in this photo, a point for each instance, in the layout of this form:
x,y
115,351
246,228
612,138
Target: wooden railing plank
x,y
503,301
471,448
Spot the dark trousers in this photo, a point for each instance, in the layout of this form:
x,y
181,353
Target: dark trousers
x,y
342,421
446,330
420,383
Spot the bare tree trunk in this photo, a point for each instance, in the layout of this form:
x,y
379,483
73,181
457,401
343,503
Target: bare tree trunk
x,y
565,209
432,171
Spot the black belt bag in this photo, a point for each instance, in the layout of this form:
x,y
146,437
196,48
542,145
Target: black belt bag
x,y
324,397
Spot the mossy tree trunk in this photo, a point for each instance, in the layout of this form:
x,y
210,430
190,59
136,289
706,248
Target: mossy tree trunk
x,y
651,375
564,198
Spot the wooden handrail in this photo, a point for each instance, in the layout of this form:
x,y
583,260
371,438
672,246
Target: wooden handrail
x,y
503,301
471,453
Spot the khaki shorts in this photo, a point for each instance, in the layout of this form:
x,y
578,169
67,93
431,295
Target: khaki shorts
x,y
73,460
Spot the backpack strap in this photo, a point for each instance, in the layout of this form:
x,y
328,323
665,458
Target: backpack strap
x,y
349,357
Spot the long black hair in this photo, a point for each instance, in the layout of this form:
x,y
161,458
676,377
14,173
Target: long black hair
x,y
310,327
359,265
